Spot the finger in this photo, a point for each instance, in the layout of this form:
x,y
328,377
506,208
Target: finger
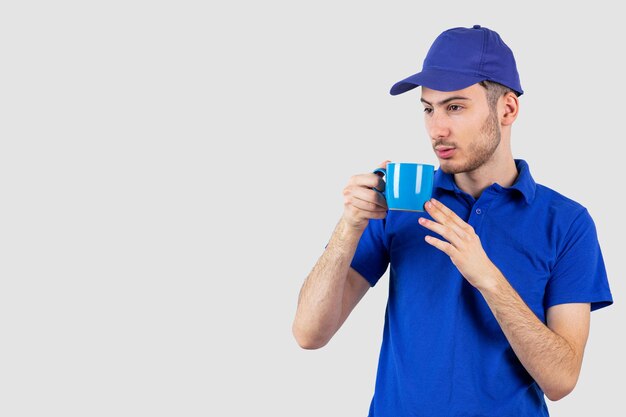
x,y
440,217
448,213
366,206
368,180
367,198
443,231
380,174
381,184
377,215
371,195
384,164
445,247
356,214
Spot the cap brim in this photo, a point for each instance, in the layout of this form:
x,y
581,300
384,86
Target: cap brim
x,y
440,80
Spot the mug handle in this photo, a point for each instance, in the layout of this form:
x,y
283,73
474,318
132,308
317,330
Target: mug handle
x,y
381,172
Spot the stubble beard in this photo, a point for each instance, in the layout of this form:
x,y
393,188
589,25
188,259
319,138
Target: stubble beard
x,y
480,151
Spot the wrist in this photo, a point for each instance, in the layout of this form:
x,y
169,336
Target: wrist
x,y
347,234
492,281
349,226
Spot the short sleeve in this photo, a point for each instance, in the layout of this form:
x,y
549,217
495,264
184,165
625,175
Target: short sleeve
x,y
372,257
579,274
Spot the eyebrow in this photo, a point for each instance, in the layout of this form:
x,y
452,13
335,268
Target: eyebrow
x,y
442,102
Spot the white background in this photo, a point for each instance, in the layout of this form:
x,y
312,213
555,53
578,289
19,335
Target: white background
x,y
170,172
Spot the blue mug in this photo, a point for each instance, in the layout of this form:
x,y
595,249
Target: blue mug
x,y
408,186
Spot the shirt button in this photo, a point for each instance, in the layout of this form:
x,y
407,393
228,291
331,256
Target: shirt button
x,y
478,211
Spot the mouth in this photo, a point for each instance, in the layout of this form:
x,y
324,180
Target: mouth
x,y
444,152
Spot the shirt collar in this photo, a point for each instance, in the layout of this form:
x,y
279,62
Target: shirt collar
x,y
524,184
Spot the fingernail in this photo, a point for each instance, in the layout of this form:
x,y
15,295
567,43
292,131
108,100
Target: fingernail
x,y
428,204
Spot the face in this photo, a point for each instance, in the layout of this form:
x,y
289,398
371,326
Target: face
x,y
464,132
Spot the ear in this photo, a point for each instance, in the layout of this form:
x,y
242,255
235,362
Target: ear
x,y
509,105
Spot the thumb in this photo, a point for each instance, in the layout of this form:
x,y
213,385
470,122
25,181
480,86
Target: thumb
x,y
384,164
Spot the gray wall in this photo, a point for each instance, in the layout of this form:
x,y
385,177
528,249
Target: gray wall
x,y
170,172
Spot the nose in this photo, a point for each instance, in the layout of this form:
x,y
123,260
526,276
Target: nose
x,y
438,125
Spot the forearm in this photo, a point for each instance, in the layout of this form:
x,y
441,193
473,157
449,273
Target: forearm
x,y
547,356
320,303
551,359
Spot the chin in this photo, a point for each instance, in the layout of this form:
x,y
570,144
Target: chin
x,y
448,167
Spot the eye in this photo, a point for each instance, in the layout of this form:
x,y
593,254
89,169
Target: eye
x,y
454,107
428,110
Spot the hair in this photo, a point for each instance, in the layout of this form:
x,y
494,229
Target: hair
x,y
494,92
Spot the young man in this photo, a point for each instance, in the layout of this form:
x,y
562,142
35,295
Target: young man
x,y
492,286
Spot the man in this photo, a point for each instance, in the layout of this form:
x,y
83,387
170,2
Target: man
x,y
492,286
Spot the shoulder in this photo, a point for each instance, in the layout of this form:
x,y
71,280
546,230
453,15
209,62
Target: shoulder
x,y
557,203
564,214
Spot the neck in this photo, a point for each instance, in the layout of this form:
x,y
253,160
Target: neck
x,y
501,170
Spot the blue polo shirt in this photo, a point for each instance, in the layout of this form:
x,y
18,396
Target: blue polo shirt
x,y
443,353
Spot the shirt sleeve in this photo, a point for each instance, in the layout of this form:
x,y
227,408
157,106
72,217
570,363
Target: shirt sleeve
x,y
579,274
372,257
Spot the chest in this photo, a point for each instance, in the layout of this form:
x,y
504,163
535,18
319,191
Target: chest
x,y
426,273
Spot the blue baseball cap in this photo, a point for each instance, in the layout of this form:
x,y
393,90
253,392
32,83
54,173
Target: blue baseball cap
x,y
461,57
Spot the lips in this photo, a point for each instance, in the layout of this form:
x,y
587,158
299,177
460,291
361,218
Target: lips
x,y
444,152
